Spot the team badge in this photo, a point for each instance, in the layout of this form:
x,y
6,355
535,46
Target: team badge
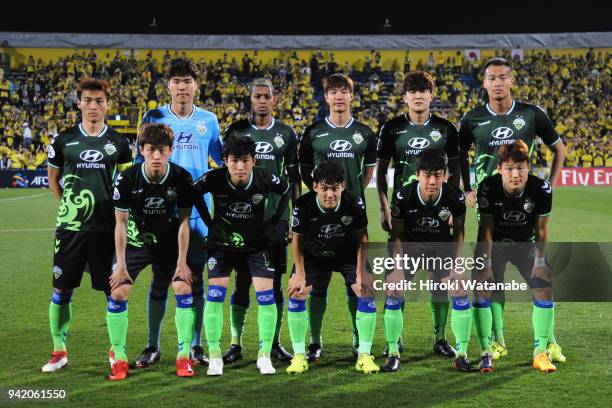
x,y
51,152
57,271
211,263
529,206
294,221
110,148
116,194
278,141
444,214
346,220
257,198
201,128
435,135
519,123
358,138
171,194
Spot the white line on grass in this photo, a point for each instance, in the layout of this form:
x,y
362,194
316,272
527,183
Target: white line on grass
x,y
27,230
21,198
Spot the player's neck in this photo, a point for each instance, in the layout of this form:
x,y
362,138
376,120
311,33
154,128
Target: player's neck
x,y
502,106
428,198
419,118
93,128
511,193
262,122
153,175
182,110
340,119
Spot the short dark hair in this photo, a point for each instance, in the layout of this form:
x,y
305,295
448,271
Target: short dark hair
x,y
238,146
93,84
497,62
155,134
418,81
180,67
338,81
517,152
431,160
328,172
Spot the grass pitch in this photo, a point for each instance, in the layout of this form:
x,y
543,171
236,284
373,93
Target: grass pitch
x,y
26,242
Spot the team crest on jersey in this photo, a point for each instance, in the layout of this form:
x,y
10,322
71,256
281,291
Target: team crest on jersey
x,y
211,263
171,194
294,221
116,194
444,214
57,271
278,141
110,148
529,205
346,220
358,138
257,198
51,152
201,128
435,135
519,123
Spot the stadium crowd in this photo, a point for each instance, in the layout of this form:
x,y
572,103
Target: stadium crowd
x,y
39,99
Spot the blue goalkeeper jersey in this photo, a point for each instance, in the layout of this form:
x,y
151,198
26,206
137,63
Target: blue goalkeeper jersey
x,y
195,139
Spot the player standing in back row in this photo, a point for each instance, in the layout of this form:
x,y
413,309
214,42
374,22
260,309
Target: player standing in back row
x,y
196,137
352,145
499,122
276,151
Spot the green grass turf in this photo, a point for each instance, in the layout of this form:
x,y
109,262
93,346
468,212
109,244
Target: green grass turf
x,y
26,242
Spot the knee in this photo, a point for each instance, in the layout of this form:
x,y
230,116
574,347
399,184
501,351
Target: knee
x,y
158,293
121,293
318,291
181,288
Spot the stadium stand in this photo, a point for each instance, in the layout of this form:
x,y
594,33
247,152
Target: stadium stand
x,y
38,97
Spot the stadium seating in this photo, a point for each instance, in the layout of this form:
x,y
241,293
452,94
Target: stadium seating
x,y
575,89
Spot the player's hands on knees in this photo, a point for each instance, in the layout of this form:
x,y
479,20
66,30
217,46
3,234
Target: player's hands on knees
x,y
183,273
296,286
119,276
470,198
385,219
542,272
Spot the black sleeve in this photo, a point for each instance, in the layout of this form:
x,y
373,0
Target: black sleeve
x,y
458,203
202,185
360,215
452,142
298,218
484,198
55,153
125,152
370,152
543,206
306,157
291,158
466,137
121,194
545,128
385,148
186,195
399,204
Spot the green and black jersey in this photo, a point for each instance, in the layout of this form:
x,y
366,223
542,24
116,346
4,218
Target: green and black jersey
x,y
275,151
153,206
88,165
238,219
487,131
353,147
514,217
402,140
330,235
